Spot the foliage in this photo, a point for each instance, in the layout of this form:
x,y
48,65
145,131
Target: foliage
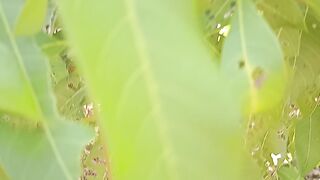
x,y
206,89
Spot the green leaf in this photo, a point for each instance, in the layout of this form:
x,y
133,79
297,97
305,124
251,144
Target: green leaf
x,y
162,109
29,154
50,45
281,13
252,60
305,91
217,16
32,17
290,41
308,142
289,173
3,175
218,12
315,5
26,75
17,90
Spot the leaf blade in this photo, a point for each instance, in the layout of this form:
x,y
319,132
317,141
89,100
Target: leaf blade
x,y
253,54
150,102
32,17
28,64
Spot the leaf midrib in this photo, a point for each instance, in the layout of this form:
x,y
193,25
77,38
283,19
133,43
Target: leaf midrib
x,y
248,68
152,86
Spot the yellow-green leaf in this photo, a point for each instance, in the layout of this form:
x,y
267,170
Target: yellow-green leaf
x,y
305,92
315,6
32,17
281,13
15,88
162,111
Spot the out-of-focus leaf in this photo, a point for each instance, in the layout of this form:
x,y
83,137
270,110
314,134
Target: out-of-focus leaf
x,y
26,67
53,49
3,175
59,71
32,17
282,13
28,153
15,87
252,60
50,45
161,110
